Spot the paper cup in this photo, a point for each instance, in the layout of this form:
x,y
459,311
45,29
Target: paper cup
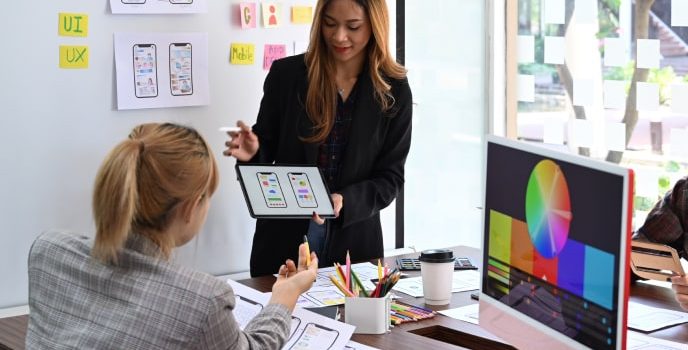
x,y
437,269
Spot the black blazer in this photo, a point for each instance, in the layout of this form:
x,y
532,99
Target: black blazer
x,y
371,172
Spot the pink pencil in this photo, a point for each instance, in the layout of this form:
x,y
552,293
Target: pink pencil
x,y
348,270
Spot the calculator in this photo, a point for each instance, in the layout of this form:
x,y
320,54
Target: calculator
x,y
413,264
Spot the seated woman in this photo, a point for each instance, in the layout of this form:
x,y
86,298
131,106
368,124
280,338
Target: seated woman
x,y
151,195
667,223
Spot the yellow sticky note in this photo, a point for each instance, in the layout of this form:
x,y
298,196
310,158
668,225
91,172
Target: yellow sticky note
x,y
301,14
73,56
241,53
72,24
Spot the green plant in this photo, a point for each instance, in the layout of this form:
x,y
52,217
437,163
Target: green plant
x,y
642,203
664,77
672,166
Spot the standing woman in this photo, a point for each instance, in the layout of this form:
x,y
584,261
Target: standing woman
x,y
344,106
120,291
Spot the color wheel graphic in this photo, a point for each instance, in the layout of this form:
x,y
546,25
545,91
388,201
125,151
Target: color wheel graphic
x,y
548,209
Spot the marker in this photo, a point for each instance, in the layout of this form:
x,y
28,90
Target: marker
x,y
308,250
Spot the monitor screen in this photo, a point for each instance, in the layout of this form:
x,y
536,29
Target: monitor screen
x,y
555,248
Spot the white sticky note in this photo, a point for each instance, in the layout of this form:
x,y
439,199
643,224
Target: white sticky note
x,y
586,11
615,136
679,13
615,52
555,49
581,134
583,92
678,142
647,53
526,49
679,98
646,182
553,132
647,98
526,87
300,47
555,11
614,94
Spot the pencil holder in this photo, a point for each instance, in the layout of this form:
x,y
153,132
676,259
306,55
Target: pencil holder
x,y
368,315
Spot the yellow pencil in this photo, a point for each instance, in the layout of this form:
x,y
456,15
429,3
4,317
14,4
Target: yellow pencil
x,y
308,250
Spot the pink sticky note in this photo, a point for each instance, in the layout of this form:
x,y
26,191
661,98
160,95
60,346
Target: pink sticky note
x,y
247,14
273,53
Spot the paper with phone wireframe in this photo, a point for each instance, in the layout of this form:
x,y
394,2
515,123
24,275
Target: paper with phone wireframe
x,y
284,191
655,261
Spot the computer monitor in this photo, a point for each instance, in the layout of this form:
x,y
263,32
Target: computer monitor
x,y
556,245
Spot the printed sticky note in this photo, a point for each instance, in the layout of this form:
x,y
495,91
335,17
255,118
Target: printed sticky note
x,y
300,47
553,132
241,53
247,14
647,96
555,49
526,48
647,53
72,24
679,98
615,52
586,11
583,92
554,11
580,132
678,142
73,56
679,13
615,136
301,14
526,87
614,94
272,14
272,53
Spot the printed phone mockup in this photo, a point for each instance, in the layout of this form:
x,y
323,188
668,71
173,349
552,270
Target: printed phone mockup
x,y
295,323
272,191
181,82
145,70
302,190
315,336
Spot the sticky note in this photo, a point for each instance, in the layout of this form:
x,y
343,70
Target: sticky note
x,y
553,132
554,11
555,49
647,53
73,56
583,92
272,14
300,47
240,53
647,98
646,182
580,132
526,49
72,24
679,98
615,136
615,52
526,87
273,52
678,142
247,14
301,14
679,13
614,94
586,11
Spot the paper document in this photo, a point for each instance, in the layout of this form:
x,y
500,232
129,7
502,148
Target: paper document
x,y
352,345
639,341
462,281
308,329
468,313
647,318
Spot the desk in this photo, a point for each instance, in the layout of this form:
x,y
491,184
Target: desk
x,y
13,329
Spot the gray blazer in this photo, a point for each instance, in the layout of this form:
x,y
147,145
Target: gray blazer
x,y
144,302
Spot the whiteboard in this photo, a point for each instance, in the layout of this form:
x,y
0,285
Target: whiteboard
x,y
57,125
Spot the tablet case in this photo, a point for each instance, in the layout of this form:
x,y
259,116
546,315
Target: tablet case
x,y
655,261
275,193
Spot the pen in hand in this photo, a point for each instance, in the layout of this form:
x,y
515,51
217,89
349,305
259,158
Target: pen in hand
x,y
308,250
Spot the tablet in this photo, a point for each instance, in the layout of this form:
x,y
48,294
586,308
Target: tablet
x,y
655,261
284,191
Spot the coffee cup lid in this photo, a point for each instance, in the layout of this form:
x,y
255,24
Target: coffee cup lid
x,y
437,256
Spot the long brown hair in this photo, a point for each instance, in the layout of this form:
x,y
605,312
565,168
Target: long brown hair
x,y
158,169
321,97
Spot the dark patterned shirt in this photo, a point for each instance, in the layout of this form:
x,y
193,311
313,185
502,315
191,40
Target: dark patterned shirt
x,y
331,151
667,222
